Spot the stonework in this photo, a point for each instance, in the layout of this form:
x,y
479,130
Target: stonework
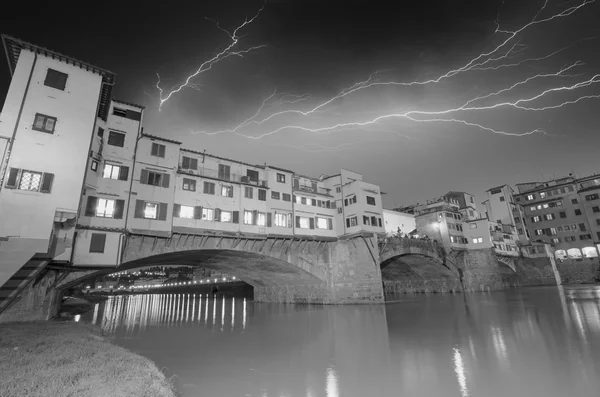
x,y
582,271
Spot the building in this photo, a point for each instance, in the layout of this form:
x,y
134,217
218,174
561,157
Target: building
x,y
441,220
564,213
394,220
502,208
46,128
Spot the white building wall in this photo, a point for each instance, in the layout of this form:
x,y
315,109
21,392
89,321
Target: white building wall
x,y
394,220
112,249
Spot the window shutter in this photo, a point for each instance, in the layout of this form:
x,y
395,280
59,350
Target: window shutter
x,y
313,202
90,208
162,211
289,220
254,217
312,223
347,222
185,162
217,215
313,186
165,180
296,183
161,151
236,217
144,177
139,209
176,210
294,197
100,132
154,150
379,221
330,224
297,221
119,207
269,219
374,221
198,212
230,192
47,180
11,183
123,173
97,243
194,164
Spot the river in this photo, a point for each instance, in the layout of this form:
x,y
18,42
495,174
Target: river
x,y
535,342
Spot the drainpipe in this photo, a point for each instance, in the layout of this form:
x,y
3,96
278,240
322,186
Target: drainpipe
x,y
8,150
342,204
137,140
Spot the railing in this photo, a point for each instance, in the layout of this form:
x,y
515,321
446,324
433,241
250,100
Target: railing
x,y
211,173
309,188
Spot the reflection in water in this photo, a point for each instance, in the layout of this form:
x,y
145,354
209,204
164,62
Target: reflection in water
x,y
530,342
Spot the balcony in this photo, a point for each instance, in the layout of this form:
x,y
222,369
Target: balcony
x,y
311,189
215,174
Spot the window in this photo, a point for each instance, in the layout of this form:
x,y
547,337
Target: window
x,y
555,240
120,112
542,194
549,217
340,210
225,172
303,222
598,221
154,178
113,171
585,237
570,239
189,184
151,211
105,208
591,197
286,197
471,199
596,209
116,139
574,201
248,218
157,150
302,200
275,195
313,202
227,191
495,191
44,123
354,199
209,188
261,219
226,216
501,198
582,227
552,231
248,192
517,219
262,195
94,165
370,200
281,178
538,232
473,226
208,214
252,175
562,214
577,212
100,132
366,220
283,220
188,163
530,197
520,231
351,221
186,212
535,219
322,223
471,214
56,79
478,240
97,243
29,180
338,189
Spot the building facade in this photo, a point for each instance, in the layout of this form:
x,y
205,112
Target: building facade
x,y
394,220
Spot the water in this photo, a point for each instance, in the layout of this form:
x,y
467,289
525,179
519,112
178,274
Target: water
x,y
530,342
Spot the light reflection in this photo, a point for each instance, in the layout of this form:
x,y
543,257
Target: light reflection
x,y
244,315
500,345
95,318
459,369
332,383
77,318
214,312
222,312
232,314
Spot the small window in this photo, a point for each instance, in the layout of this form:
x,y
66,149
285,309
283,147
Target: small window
x,y
473,226
56,79
563,214
209,188
248,218
530,197
189,184
154,178
116,139
366,220
94,165
248,192
501,198
338,189
574,201
370,200
44,123
281,178
227,191
261,219
596,209
151,211
262,195
188,163
226,216
275,195
577,212
186,211
225,172
97,243
100,132
322,223
208,214
157,150
120,112
286,197
105,208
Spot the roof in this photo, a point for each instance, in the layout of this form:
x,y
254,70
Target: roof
x,y
128,103
497,187
160,138
224,158
13,47
279,169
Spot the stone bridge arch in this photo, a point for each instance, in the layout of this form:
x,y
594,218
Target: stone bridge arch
x,y
417,266
505,262
281,269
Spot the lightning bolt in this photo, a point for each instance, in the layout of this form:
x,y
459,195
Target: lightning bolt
x,y
207,65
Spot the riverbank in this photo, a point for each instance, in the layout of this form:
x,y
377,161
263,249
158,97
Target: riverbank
x,y
72,359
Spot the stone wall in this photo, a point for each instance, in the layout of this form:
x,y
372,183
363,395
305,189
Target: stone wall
x,y
479,268
582,271
534,272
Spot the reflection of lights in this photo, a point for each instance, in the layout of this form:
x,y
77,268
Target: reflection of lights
x,y
77,318
233,278
244,315
215,280
224,279
459,368
95,318
332,383
499,345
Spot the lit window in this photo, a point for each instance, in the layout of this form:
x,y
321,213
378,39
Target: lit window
x,y
542,194
261,219
281,178
530,197
589,252
248,217
545,206
304,223
473,226
189,184
151,211
227,191
111,171
281,220
208,214
186,212
226,216
105,208
322,223
30,180
574,253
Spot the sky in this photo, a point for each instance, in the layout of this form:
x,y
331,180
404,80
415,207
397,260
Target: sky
x,y
311,51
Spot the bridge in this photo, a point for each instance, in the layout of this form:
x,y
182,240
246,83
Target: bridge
x,y
359,269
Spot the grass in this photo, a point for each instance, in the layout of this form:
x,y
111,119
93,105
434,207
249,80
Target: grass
x,y
72,359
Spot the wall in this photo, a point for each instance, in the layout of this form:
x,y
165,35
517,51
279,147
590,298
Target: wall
x,y
583,271
393,220
112,248
475,230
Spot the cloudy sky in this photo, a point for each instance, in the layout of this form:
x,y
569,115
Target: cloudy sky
x,y
397,135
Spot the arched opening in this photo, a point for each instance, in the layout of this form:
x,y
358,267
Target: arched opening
x,y
510,279
413,273
254,269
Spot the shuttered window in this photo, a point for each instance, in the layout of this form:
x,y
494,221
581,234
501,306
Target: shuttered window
x,y
154,178
97,243
209,188
188,163
157,150
262,195
148,210
116,139
56,79
29,180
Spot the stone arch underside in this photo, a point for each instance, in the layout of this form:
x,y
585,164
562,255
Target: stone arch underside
x,y
417,273
255,269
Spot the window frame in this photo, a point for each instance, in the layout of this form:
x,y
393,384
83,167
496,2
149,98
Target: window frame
x,y
191,184
112,133
160,150
146,205
60,76
371,198
104,213
280,178
45,119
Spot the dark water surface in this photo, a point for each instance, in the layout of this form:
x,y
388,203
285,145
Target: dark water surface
x,y
537,342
